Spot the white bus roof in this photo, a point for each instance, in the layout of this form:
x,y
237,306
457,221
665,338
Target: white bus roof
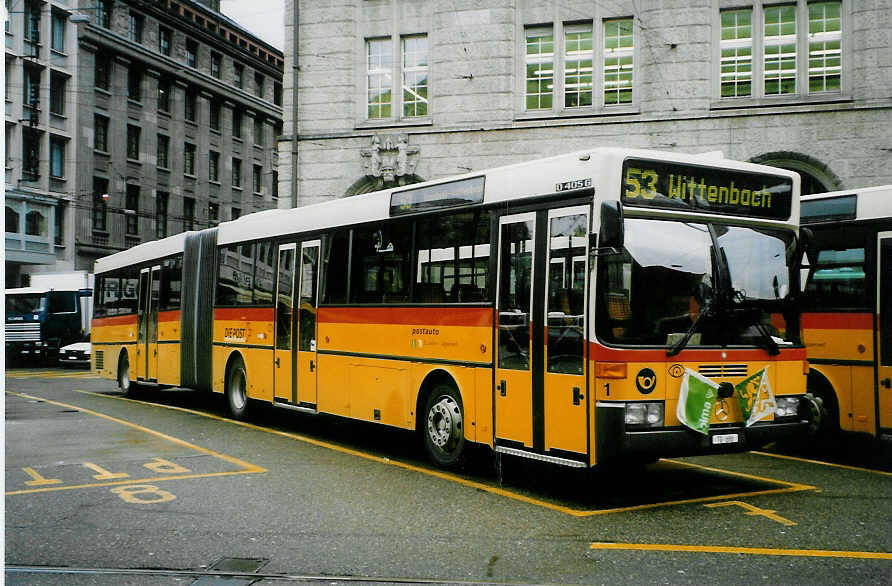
x,y
872,203
528,179
142,252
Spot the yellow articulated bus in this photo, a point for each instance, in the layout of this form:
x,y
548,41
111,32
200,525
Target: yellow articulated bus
x,y
595,307
847,311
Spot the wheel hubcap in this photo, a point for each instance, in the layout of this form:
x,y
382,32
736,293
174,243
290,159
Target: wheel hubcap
x,y
444,424
238,390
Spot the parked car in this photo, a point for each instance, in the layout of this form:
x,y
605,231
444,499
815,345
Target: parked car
x,y
77,354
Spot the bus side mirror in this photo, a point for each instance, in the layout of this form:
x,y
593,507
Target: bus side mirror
x,y
612,232
807,245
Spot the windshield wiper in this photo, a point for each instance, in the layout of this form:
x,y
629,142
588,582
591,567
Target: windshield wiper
x,y
752,316
679,346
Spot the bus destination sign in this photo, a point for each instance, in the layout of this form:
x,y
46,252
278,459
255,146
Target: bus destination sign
x,y
660,184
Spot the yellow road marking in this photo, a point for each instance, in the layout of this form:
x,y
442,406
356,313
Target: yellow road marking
x,y
48,374
246,467
37,479
753,510
830,464
787,486
816,553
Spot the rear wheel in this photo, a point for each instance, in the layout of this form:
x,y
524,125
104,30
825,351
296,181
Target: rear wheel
x,y
443,427
237,389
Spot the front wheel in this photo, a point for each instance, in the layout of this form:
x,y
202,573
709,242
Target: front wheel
x,y
443,426
237,389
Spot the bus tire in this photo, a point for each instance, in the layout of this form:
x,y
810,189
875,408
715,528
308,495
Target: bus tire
x,y
125,382
825,431
442,427
237,389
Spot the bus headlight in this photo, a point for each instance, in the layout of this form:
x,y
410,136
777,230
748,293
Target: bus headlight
x,y
786,407
644,414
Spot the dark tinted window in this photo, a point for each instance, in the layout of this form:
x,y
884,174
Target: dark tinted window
x,y
171,283
452,258
63,302
264,273
334,266
838,279
381,263
235,275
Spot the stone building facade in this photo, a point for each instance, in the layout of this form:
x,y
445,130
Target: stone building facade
x,y
384,92
173,113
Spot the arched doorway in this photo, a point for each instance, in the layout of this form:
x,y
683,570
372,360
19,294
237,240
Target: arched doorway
x,y
370,183
816,176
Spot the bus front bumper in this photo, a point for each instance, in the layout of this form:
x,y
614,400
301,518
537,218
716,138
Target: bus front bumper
x,y
615,441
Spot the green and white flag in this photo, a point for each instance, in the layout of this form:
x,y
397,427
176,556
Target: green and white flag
x,y
696,400
755,396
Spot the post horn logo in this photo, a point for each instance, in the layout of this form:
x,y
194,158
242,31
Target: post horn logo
x,y
676,371
646,381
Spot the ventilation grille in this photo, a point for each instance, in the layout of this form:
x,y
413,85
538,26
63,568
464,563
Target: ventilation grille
x,y
722,370
100,360
22,332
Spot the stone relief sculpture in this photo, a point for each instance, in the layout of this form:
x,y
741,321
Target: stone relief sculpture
x,y
390,160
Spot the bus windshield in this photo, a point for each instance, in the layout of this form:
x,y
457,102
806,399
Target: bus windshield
x,y
683,284
25,303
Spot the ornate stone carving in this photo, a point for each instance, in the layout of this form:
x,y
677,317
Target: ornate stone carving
x,y
389,158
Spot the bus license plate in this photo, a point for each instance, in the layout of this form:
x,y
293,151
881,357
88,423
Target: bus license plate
x,y
725,438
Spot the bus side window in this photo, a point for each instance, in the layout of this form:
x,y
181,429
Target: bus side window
x,y
838,280
334,267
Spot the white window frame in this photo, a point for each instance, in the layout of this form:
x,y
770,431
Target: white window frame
x,y
802,93
559,31
396,72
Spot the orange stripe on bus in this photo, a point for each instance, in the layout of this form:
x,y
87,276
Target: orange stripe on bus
x,y
426,316
115,320
602,353
244,313
172,315
838,321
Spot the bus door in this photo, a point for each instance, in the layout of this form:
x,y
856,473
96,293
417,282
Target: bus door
x,y
540,352
283,360
308,287
884,330
146,366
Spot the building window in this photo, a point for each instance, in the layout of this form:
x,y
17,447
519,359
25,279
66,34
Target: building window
x,y
214,118
236,172
59,224
30,155
133,133
32,21
190,105
577,66
539,69
188,213
164,35
100,207
163,151
31,96
100,133
238,75
618,61
237,123
134,31
258,84
102,72
773,45
780,50
161,202
35,224
415,76
213,214
57,93
824,47
164,94
235,213
258,179
134,84
258,130
737,53
57,157
277,93
12,220
216,65
191,53
214,166
131,210
379,75
189,159
57,40
103,10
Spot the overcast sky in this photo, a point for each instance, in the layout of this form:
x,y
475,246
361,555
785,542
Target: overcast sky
x,y
264,18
